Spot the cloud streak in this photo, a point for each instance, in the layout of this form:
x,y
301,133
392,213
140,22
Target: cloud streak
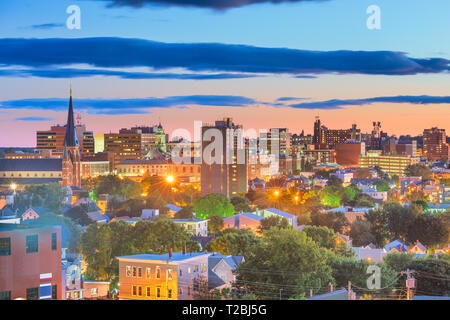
x,y
211,4
82,73
340,104
34,119
209,57
128,106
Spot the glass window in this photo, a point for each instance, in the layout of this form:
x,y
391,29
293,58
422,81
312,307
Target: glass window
x,y
5,246
134,291
32,293
139,272
158,292
32,243
128,271
55,292
169,294
140,291
148,272
134,271
94,291
5,295
148,291
54,241
158,273
169,274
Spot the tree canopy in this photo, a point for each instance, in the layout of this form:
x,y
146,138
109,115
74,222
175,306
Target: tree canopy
x,y
213,204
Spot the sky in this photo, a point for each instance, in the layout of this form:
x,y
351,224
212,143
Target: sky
x,y
266,64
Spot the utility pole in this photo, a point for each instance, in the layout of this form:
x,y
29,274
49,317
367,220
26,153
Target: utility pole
x,y
280,293
410,282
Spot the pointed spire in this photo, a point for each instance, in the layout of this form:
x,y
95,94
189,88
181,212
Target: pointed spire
x,y
71,139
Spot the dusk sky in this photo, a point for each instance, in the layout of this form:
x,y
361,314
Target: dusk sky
x,y
264,63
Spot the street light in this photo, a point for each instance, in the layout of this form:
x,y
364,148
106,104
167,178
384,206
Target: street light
x,y
170,179
13,186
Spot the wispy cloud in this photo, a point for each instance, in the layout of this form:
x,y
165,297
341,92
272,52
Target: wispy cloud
x,y
34,119
128,106
81,73
339,104
46,26
209,57
212,4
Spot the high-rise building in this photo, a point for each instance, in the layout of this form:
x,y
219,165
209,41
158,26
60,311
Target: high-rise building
x,y
278,139
152,138
224,170
435,146
124,145
330,137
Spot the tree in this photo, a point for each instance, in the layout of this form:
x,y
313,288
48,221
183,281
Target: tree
x,y
113,185
432,276
429,229
332,196
418,170
234,242
215,224
70,234
361,233
334,181
378,222
273,222
284,259
398,261
50,196
184,213
79,214
328,239
240,204
333,220
345,270
213,204
382,185
399,219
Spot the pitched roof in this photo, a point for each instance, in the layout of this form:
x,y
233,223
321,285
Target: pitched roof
x,y
333,295
280,212
398,244
70,139
30,165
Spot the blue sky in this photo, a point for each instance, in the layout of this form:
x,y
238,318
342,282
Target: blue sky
x,y
415,29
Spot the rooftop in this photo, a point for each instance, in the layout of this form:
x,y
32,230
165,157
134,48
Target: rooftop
x,y
176,256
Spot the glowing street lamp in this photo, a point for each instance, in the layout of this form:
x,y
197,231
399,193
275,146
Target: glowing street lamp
x,y
276,193
170,179
13,186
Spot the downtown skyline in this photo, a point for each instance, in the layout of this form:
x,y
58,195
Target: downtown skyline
x,y
309,63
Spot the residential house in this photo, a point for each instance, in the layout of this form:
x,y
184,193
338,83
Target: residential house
x,y
292,219
220,270
195,226
370,254
244,220
170,276
351,213
96,289
418,248
396,246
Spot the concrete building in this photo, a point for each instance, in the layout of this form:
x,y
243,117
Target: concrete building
x,y
435,146
391,164
224,169
124,145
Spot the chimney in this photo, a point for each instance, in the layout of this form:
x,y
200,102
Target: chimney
x,y
184,249
310,293
330,287
170,253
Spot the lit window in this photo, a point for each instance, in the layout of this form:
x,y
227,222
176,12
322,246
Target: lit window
x,y
158,273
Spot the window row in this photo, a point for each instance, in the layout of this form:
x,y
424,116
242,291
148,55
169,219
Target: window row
x,y
136,272
137,291
31,244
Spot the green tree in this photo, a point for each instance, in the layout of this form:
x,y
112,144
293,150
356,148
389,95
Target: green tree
x,y
345,270
327,238
382,185
213,204
273,222
333,220
334,181
432,276
79,214
233,241
184,213
361,233
418,170
50,196
284,259
398,261
430,230
215,224
399,219
240,204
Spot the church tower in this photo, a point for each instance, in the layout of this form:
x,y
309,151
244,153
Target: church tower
x,y
72,157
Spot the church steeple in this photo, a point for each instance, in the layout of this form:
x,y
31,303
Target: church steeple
x,y
71,139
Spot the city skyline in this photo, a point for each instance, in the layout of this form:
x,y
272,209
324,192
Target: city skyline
x,y
309,63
